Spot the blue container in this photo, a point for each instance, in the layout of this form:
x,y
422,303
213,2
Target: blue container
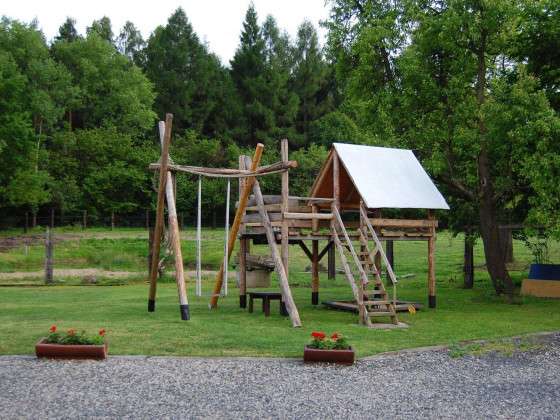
x,y
544,272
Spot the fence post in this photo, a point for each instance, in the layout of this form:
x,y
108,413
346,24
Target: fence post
x,y
48,257
468,262
52,217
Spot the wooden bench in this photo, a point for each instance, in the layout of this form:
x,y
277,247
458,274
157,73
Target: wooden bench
x,y
266,297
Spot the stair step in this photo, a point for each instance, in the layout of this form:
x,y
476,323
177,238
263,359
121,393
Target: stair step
x,y
380,313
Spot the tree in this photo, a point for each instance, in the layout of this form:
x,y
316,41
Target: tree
x,y
537,41
131,44
102,28
452,91
248,68
191,83
110,91
309,79
67,31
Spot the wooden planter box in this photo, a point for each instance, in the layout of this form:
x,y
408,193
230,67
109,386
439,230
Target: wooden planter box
x,y
344,357
70,351
543,281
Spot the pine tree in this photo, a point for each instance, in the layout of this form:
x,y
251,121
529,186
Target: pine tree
x,y
67,31
248,68
190,82
310,80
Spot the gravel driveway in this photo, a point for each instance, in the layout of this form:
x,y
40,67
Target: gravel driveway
x,y
408,385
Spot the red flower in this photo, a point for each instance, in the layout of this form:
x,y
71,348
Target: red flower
x,y
319,335
335,336
71,331
52,329
102,332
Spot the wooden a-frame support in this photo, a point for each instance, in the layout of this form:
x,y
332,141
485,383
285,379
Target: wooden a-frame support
x,y
166,189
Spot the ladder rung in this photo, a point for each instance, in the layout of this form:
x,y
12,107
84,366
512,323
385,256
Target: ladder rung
x,y
378,302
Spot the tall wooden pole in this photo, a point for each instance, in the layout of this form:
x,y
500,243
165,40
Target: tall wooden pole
x,y
159,212
431,264
285,249
175,237
315,260
236,223
243,242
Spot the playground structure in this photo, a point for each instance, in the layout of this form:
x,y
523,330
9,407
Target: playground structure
x,y
343,209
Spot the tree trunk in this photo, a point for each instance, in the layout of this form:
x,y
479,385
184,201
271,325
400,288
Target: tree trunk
x,y
489,229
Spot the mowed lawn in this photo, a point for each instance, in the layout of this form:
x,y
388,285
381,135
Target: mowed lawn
x,y
26,313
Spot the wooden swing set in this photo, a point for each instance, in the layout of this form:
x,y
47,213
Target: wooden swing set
x,y
288,220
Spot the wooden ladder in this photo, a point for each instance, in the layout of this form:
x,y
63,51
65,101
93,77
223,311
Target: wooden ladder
x,y
375,302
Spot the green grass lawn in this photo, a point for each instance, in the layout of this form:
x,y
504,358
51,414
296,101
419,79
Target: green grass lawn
x,y
26,313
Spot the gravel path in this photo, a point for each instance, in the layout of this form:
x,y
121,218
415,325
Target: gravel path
x,y
407,385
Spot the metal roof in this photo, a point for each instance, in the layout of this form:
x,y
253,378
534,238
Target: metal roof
x,y
389,178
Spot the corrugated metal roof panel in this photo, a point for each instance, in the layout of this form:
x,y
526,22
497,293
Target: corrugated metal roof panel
x,y
389,178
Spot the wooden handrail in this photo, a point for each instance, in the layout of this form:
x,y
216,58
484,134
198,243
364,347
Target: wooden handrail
x,y
363,214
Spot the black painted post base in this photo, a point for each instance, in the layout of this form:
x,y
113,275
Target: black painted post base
x,y
314,298
432,301
243,301
185,315
151,305
283,310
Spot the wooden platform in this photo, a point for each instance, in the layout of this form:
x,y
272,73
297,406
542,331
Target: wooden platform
x,y
350,305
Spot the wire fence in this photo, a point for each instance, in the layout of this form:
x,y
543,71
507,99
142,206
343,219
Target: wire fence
x,y
104,256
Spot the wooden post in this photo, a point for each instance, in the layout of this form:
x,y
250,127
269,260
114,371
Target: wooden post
x,y
331,262
150,248
431,264
242,273
390,253
285,250
243,242
336,203
159,213
175,237
48,257
236,223
52,218
84,219
315,260
468,261
282,277
336,181
315,272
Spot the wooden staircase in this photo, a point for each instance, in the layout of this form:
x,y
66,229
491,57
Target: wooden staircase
x,y
369,291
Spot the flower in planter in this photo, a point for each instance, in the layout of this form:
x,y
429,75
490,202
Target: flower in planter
x,y
335,342
72,336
